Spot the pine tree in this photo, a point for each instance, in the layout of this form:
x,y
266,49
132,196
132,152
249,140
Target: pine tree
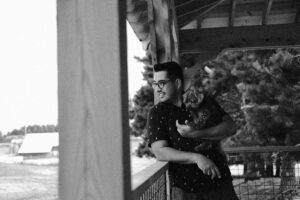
x,y
142,102
264,86
268,82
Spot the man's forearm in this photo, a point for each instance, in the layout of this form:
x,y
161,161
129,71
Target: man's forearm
x,y
221,131
170,154
163,152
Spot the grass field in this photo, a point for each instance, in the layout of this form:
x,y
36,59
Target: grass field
x,y
28,182
35,180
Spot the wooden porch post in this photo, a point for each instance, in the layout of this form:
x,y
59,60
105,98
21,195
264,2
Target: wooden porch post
x,y
163,31
93,101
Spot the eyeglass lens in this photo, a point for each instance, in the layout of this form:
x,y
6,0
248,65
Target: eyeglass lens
x,y
160,84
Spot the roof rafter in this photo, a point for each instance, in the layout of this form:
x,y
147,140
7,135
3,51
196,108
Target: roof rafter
x,y
267,11
184,3
198,12
232,12
297,13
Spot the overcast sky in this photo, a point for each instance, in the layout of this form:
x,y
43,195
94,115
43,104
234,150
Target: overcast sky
x,y
28,78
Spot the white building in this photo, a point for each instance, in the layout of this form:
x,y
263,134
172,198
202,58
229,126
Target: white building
x,y
40,145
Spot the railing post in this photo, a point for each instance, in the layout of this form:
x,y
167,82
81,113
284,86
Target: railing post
x,y
168,187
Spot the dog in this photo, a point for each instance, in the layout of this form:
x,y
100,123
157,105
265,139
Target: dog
x,y
203,109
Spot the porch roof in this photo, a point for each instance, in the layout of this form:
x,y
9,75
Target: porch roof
x,y
280,18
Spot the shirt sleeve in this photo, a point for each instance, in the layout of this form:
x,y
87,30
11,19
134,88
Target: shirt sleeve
x,y
156,126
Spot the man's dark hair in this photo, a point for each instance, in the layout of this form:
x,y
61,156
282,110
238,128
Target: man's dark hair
x,y
173,69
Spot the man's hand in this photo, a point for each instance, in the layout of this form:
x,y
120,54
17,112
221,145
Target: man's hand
x,y
185,130
207,166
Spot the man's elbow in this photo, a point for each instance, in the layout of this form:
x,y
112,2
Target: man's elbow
x,y
159,150
159,155
160,158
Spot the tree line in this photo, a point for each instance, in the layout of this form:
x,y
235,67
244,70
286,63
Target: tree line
x,y
34,129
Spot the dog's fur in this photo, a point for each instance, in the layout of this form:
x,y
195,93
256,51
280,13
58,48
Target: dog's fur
x,y
203,110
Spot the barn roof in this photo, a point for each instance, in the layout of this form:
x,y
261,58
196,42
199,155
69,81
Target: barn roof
x,y
39,143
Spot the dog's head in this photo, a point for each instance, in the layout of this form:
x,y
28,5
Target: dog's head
x,y
194,89
193,97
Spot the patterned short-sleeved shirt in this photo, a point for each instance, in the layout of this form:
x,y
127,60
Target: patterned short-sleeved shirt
x,y
162,126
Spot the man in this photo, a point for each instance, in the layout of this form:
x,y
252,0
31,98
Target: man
x,y
193,176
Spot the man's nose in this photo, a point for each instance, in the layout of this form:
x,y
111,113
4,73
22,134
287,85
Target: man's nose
x,y
158,90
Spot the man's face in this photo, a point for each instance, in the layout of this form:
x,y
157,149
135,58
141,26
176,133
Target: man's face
x,y
164,87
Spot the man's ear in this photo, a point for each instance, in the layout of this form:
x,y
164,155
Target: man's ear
x,y
178,83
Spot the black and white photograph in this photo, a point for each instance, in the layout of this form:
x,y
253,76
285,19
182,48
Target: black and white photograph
x,y
150,100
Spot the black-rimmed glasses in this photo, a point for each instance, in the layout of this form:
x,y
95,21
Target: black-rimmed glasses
x,y
160,84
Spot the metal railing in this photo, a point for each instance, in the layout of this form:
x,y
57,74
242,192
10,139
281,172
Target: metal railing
x,y
265,173
151,183
260,173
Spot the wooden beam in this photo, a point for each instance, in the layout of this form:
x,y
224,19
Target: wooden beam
x,y
94,160
297,13
267,12
151,18
167,30
217,39
187,17
137,17
232,12
175,32
163,30
199,22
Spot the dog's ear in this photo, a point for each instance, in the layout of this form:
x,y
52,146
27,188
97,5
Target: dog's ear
x,y
200,97
185,97
188,75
